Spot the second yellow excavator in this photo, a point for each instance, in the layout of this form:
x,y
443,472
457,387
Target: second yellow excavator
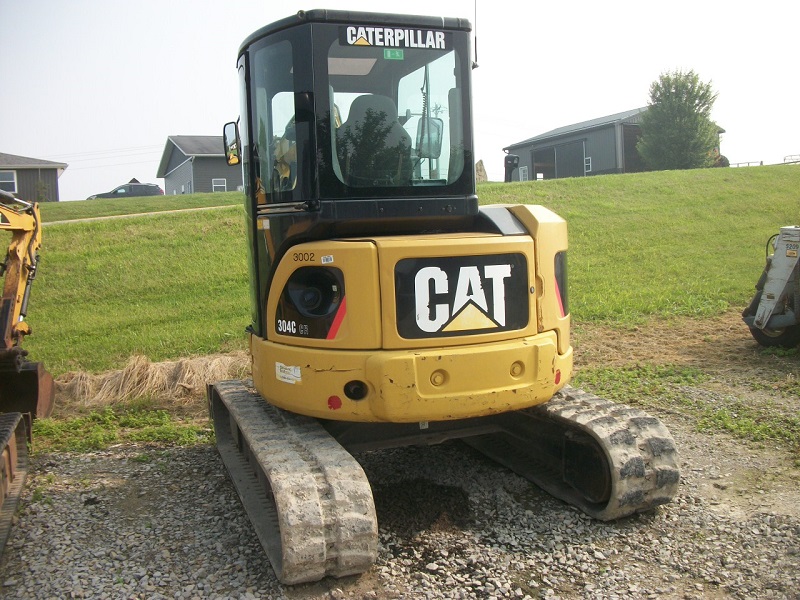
x,y
26,388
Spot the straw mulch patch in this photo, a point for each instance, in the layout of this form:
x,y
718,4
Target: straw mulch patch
x,y
179,383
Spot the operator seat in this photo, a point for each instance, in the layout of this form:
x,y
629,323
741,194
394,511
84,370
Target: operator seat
x,y
372,147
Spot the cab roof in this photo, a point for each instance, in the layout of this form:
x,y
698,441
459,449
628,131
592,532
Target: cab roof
x,y
346,17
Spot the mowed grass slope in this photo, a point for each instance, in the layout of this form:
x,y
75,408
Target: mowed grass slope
x,y
176,285
164,286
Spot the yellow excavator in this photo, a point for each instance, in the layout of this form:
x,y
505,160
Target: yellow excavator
x,y
388,307
26,388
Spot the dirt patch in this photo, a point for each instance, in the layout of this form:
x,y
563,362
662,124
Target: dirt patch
x,y
721,346
429,507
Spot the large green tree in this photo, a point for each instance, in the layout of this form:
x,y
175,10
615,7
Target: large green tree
x,y
677,130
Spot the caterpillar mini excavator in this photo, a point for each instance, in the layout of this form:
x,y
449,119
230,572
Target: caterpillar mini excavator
x,y
388,307
26,388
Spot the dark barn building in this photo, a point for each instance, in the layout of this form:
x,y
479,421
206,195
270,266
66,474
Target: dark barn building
x,y
31,179
599,146
196,163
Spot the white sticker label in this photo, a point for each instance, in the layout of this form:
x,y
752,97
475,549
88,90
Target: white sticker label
x,y
327,260
287,373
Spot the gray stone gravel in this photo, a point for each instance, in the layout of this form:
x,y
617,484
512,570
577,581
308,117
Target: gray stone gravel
x,y
151,522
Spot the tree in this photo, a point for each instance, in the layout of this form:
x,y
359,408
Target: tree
x,y
677,130
42,191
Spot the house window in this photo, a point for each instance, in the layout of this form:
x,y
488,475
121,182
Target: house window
x,y
587,164
219,185
8,181
523,173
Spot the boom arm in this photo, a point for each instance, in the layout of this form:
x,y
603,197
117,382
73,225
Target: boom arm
x,y
18,269
26,388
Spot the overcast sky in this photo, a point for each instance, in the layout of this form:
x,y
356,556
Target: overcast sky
x,y
100,84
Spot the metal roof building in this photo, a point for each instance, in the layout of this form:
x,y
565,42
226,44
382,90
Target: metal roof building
x,y
598,146
31,179
196,163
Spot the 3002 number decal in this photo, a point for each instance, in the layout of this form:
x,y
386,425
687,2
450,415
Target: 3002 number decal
x,y
303,256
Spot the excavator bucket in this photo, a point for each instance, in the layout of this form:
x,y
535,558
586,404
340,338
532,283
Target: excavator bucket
x,y
28,389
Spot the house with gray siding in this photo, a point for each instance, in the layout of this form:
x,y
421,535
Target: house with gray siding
x,y
31,179
196,163
595,147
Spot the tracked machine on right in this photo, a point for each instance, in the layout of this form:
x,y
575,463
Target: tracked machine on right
x,y
388,307
773,314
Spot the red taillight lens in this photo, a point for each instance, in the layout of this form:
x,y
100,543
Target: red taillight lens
x,y
561,282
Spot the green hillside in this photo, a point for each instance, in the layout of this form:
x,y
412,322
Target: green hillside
x,y
172,285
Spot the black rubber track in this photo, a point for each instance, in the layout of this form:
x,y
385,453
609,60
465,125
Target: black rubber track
x,y
308,499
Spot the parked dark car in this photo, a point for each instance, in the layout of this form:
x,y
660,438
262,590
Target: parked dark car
x,y
131,189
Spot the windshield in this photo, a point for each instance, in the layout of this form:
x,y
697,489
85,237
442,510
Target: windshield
x,y
396,110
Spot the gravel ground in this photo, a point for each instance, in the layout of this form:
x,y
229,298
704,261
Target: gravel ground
x,y
159,522
155,522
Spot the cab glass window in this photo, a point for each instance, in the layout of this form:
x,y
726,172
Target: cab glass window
x,y
395,111
274,137
424,98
